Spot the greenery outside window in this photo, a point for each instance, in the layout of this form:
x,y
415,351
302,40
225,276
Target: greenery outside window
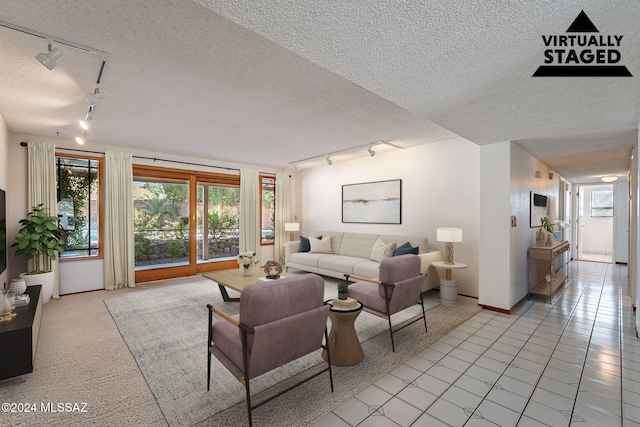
x,y
79,210
268,209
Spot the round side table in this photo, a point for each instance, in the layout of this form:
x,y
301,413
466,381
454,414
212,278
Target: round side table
x,y
343,341
448,286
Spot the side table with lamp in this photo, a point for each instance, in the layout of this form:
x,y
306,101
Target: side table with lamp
x,y
448,286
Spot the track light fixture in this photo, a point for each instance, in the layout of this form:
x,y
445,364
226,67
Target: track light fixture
x,y
96,96
370,150
329,161
296,167
50,58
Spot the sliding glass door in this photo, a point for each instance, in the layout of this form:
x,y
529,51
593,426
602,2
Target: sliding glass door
x,y
186,222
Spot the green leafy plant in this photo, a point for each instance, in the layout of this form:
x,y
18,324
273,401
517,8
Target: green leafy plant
x,y
546,224
41,234
343,287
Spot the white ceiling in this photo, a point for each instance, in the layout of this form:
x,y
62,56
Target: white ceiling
x,y
269,83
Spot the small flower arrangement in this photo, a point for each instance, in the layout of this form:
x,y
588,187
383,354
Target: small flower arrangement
x,y
247,258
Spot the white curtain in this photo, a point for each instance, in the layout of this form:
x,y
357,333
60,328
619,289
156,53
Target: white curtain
x,y
119,259
250,211
282,214
42,189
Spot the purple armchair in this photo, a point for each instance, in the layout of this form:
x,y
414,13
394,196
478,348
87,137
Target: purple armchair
x,y
399,287
279,321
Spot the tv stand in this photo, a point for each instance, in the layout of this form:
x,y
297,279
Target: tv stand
x,y
19,337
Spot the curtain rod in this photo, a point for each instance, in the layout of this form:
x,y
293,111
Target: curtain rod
x,y
24,144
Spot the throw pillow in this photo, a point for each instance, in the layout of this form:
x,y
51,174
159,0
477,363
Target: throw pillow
x,y
406,249
321,246
305,246
382,250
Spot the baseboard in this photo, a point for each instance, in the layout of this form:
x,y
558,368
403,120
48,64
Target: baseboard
x,y
491,308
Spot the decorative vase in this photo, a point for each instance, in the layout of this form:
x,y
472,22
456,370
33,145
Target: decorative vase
x,y
17,286
548,242
44,279
247,270
540,237
6,302
343,295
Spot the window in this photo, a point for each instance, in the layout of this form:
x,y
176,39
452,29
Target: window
x,y
602,203
79,190
268,209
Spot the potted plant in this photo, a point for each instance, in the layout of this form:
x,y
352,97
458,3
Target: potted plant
x,y
546,224
343,290
246,260
39,237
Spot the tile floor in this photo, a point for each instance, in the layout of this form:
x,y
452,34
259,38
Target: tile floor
x,y
574,362
597,257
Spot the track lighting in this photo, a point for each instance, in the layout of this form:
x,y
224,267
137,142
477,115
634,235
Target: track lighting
x,y
296,167
329,161
79,140
50,58
84,125
370,150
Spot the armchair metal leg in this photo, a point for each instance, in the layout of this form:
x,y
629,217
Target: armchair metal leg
x,y
246,386
326,347
424,318
208,369
393,347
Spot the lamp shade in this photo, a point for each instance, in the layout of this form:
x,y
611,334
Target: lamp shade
x,y
446,234
291,226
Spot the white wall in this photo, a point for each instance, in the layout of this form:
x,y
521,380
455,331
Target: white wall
x,y
82,275
621,221
508,175
4,184
439,189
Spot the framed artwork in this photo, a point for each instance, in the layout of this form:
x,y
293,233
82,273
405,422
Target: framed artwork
x,y
372,202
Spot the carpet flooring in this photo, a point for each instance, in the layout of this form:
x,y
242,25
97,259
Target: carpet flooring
x,y
166,330
82,358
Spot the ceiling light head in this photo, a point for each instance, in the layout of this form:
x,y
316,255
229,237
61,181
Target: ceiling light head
x,y
50,58
370,150
96,97
329,161
610,178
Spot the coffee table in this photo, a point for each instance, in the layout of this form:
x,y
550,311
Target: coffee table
x,y
233,279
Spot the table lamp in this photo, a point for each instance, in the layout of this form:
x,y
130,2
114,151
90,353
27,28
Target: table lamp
x,y
291,226
449,236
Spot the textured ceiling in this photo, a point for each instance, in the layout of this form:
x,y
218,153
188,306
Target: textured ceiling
x,y
269,83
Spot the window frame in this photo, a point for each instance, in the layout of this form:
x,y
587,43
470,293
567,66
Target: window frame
x,y
100,174
265,242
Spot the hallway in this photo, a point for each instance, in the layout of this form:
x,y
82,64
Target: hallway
x,y
574,362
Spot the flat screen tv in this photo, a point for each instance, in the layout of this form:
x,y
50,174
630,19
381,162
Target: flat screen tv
x,y
539,208
3,231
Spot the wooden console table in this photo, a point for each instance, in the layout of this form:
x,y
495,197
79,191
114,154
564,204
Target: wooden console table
x,y
547,254
19,337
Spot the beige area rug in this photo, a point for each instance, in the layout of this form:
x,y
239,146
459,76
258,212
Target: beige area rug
x,y
305,404
166,332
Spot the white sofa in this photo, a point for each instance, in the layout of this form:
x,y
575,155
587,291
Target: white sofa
x,y
351,255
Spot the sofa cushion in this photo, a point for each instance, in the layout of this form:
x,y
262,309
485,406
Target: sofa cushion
x,y
321,246
307,258
336,240
340,263
417,242
305,245
406,249
357,245
370,269
381,250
